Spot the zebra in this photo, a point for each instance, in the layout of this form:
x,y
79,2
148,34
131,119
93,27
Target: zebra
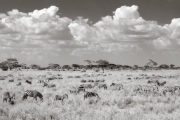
x,y
11,80
171,89
29,82
88,86
42,81
91,94
161,83
146,88
137,89
150,89
32,93
74,91
153,81
7,97
117,86
49,85
18,84
81,88
59,97
102,86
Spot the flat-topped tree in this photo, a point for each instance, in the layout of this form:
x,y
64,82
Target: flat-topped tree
x,y
136,67
66,67
89,62
34,66
54,66
151,63
172,66
11,62
75,66
102,63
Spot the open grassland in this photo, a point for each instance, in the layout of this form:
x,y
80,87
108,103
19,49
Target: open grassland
x,y
124,104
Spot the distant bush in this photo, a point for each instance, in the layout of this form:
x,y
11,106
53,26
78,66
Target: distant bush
x,y
97,70
4,68
41,68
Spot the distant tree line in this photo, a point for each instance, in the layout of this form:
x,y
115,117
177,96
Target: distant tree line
x,y
12,63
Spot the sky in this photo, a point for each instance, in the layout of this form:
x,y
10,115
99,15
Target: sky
x,y
127,32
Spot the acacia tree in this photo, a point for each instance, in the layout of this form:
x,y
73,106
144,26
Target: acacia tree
x,y
23,65
54,66
11,63
172,66
89,63
66,67
164,66
75,66
34,66
102,63
136,67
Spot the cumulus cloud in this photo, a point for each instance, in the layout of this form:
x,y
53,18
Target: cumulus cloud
x,y
125,25
44,31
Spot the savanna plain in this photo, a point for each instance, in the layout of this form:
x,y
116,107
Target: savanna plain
x,y
136,100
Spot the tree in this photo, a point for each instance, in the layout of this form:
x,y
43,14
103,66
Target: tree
x,y
23,66
34,66
89,63
136,67
75,66
54,66
66,67
164,66
102,64
4,66
151,64
11,63
172,66
112,66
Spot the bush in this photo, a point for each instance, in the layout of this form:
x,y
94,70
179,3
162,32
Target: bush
x,y
4,68
97,70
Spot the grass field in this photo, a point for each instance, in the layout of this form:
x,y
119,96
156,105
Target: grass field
x,y
113,104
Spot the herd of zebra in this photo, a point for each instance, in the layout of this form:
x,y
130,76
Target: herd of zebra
x,y
153,86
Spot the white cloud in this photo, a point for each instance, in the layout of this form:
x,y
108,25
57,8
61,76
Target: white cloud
x,y
44,31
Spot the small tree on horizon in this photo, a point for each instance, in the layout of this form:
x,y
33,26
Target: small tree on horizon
x,y
89,63
102,63
172,65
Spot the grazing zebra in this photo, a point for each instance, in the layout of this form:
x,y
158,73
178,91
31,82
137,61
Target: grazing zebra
x,y
49,85
18,84
59,97
177,88
81,88
29,82
88,86
117,86
32,93
150,89
42,81
74,91
137,88
11,80
102,86
170,89
153,81
7,97
91,81
146,88
91,94
161,83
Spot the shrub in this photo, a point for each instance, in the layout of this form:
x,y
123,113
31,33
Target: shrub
x,y
4,68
